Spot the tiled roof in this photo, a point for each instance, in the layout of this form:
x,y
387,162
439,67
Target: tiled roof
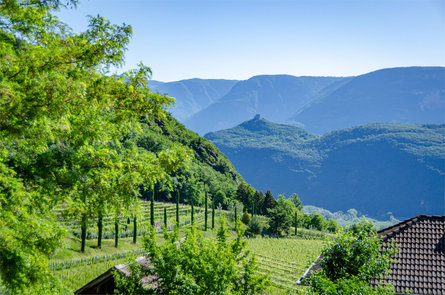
x,y
420,261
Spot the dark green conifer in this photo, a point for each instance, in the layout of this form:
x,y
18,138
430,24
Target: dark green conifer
x,y
152,208
213,214
116,232
135,229
205,212
177,210
100,227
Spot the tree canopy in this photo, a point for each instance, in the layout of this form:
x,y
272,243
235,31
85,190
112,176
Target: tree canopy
x,y
63,123
195,265
353,263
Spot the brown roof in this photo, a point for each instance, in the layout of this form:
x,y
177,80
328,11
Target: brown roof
x,y
420,261
419,266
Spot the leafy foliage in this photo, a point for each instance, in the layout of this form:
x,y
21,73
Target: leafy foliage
x,y
246,218
195,265
281,216
63,123
353,263
208,167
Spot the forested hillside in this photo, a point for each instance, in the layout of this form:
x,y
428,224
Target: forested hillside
x,y
375,168
209,167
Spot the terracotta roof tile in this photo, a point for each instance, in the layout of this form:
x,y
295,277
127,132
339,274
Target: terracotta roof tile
x,y
420,262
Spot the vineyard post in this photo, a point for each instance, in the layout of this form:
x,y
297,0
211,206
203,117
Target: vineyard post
x,y
165,217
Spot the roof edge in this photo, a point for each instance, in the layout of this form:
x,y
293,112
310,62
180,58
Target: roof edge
x,y
406,223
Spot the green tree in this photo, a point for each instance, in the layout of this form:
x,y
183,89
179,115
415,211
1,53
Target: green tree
x,y
351,262
258,202
245,194
254,228
332,226
317,221
281,216
62,125
197,265
220,198
297,202
205,212
245,218
269,203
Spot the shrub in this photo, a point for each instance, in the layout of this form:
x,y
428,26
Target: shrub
x,y
195,265
351,262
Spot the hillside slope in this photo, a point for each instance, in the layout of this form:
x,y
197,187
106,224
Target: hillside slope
x,y
192,95
209,166
375,168
276,97
402,95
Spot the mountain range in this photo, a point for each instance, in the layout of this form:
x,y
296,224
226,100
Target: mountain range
x,y
318,104
374,168
192,95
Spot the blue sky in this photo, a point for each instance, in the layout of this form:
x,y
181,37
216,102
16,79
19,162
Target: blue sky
x,y
237,39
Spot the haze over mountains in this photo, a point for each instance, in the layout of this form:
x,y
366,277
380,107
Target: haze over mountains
x,y
375,168
275,96
374,142
192,95
318,104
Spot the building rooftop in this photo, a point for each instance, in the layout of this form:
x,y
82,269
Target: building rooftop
x,y
419,266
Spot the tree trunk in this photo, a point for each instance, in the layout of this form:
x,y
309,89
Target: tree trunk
x,y
100,227
296,222
135,230
116,233
83,232
165,217
205,212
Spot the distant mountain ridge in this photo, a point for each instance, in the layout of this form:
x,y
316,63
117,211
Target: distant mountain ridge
x,y
402,95
192,95
275,96
375,168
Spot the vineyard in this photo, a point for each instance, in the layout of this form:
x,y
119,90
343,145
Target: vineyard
x,y
283,259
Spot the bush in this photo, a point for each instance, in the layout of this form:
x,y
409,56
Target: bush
x,y
195,265
245,218
351,262
255,227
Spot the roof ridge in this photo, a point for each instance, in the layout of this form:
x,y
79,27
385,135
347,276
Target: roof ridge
x,y
406,223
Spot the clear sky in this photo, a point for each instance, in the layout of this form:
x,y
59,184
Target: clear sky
x,y
237,39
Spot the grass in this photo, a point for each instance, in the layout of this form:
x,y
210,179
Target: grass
x,y
283,259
